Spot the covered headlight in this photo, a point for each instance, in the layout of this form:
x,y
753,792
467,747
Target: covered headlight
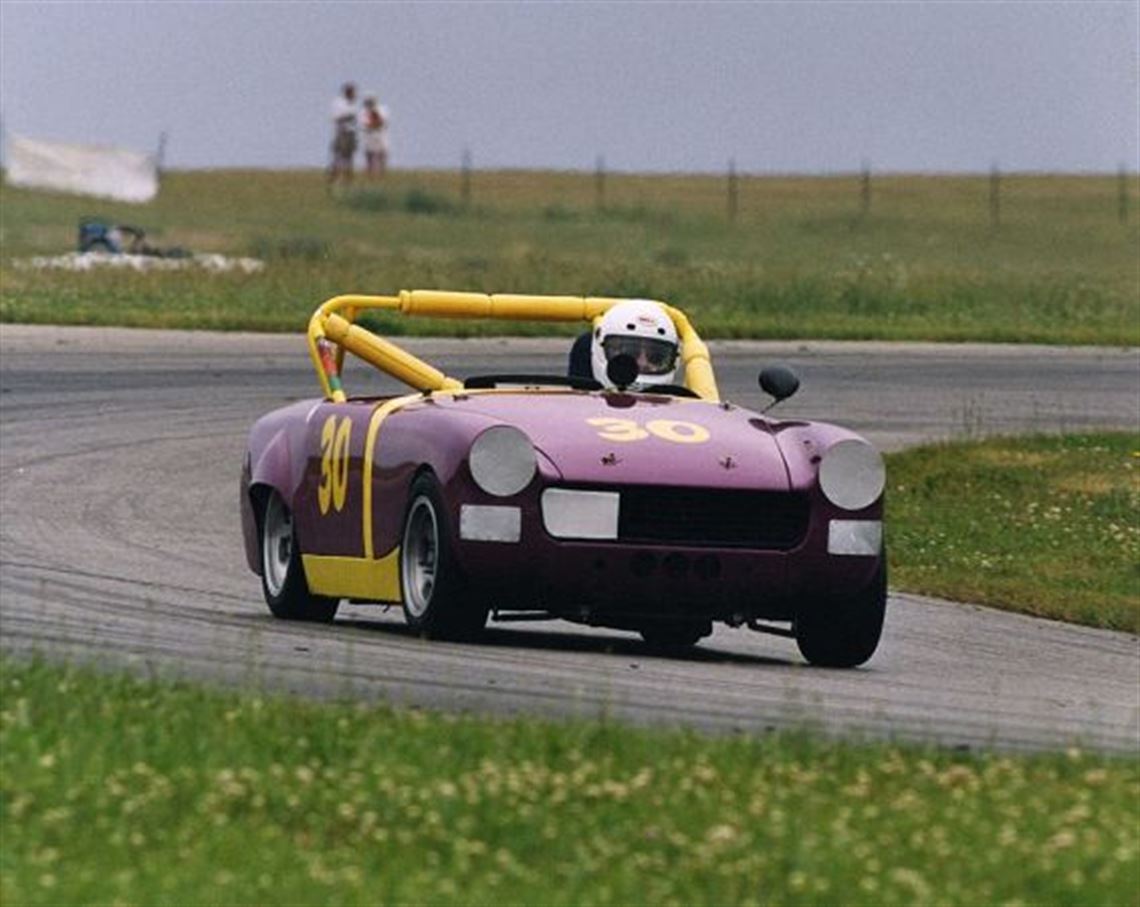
x,y
852,474
502,461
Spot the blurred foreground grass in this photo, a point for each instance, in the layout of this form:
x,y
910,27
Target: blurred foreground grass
x,y
115,790
1048,526
800,260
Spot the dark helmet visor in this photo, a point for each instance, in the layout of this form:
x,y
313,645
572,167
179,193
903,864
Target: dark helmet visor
x,y
654,357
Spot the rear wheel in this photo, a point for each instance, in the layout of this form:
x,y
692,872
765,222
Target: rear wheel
x,y
845,632
282,574
434,599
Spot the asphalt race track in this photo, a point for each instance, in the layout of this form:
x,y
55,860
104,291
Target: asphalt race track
x,y
119,543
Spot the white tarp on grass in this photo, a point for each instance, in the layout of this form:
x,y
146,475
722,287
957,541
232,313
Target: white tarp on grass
x,y
113,173
89,261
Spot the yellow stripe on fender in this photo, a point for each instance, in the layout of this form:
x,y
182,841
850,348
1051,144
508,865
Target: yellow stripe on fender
x,y
378,416
354,577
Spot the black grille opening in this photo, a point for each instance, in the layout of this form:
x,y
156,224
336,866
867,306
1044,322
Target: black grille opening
x,y
698,517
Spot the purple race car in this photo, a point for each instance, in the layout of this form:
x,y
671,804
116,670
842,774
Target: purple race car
x,y
609,496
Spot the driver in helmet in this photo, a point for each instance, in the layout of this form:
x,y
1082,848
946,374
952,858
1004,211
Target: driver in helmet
x,y
641,329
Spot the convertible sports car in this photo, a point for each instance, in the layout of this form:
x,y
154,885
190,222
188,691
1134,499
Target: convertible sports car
x,y
658,509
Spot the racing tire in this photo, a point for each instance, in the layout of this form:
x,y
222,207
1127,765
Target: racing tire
x,y
282,574
675,635
435,602
843,633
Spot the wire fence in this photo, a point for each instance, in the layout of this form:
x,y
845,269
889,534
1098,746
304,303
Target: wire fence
x,y
863,203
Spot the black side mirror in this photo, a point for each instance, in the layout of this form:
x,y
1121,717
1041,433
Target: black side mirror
x,y
622,371
779,382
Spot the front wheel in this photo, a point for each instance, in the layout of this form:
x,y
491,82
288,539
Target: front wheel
x,y
844,632
282,574
434,603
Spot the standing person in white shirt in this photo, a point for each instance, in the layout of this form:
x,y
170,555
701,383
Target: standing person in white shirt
x,y
374,123
344,115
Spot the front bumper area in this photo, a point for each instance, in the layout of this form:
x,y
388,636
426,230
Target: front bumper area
x,y
605,580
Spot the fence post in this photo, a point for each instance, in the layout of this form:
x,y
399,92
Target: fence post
x,y
1122,195
733,190
600,183
160,154
465,178
865,191
995,196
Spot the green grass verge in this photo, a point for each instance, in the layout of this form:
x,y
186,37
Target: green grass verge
x,y
1043,525
799,262
115,790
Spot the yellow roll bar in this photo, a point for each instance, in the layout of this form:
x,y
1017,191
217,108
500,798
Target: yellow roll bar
x,y
332,332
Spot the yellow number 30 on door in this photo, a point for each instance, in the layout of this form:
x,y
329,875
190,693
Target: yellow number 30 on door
x,y
334,463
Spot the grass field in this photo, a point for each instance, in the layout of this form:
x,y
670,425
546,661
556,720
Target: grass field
x,y
800,261
1044,525
114,790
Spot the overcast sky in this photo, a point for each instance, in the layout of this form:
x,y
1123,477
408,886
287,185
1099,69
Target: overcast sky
x,y
780,87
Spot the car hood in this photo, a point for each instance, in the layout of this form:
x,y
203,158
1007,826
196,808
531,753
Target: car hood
x,y
639,439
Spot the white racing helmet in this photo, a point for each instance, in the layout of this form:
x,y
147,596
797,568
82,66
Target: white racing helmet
x,y
639,328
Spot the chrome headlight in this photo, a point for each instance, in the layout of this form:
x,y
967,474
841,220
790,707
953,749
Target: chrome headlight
x,y
852,474
502,461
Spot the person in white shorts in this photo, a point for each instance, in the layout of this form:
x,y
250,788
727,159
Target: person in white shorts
x,y
374,126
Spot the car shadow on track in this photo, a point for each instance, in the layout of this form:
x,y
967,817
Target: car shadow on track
x,y
531,638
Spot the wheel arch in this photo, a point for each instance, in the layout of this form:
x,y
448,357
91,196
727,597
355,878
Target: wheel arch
x,y
274,465
268,467
256,497
423,469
